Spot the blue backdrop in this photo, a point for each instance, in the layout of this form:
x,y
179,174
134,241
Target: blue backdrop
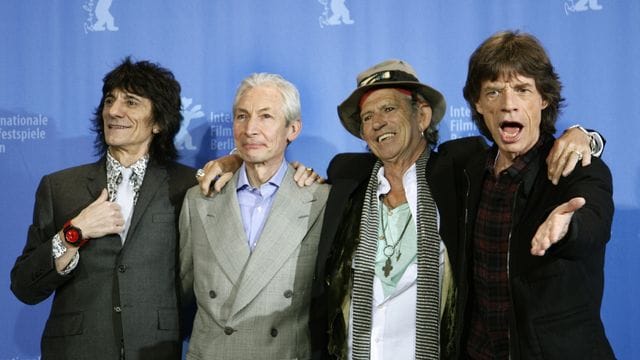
x,y
55,53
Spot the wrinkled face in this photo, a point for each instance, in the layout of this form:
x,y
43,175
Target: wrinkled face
x,y
128,122
512,110
391,128
259,126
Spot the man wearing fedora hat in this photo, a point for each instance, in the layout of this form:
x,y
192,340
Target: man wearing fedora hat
x,y
390,268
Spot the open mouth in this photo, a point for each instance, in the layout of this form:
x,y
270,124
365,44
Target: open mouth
x,y
509,130
385,136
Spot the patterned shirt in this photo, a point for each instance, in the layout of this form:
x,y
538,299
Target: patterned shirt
x,y
114,175
114,178
489,336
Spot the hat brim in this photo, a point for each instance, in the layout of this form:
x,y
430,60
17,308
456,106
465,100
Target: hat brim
x,y
349,112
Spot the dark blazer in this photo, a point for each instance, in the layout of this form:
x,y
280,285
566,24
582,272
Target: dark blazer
x,y
349,175
555,298
116,291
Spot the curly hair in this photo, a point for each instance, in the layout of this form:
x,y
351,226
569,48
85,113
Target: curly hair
x,y
155,83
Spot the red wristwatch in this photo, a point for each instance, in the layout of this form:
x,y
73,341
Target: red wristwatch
x,y
73,235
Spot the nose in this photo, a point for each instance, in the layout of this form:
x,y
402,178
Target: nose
x,y
509,100
378,121
251,125
115,108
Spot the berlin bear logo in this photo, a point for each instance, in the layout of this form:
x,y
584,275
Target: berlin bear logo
x,y
183,139
581,5
335,13
100,18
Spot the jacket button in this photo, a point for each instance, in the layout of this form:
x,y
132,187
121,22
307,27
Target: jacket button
x,y
212,294
117,309
288,294
228,330
122,268
274,332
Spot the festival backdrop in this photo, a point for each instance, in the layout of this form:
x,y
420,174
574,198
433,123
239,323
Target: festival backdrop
x,y
55,53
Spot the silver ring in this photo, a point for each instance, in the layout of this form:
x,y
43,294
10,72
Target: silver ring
x,y
309,169
199,173
578,153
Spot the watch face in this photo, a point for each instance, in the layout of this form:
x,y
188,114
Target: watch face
x,y
72,235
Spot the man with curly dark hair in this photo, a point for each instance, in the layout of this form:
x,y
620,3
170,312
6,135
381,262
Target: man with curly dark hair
x,y
104,235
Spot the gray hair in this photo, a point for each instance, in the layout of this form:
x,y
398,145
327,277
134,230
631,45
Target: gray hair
x,y
288,91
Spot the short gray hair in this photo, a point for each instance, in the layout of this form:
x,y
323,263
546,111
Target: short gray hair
x,y
288,91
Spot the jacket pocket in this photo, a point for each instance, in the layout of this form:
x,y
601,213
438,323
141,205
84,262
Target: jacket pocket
x,y
64,325
570,335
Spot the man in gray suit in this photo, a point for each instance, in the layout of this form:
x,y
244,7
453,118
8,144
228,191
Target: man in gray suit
x,y
249,252
104,235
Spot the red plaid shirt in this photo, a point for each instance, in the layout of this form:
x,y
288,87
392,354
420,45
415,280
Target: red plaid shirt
x,y
489,335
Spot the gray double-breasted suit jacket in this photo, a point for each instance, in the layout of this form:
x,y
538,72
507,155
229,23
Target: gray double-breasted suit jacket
x,y
120,299
251,305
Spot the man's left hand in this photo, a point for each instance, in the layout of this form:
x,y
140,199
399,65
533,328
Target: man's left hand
x,y
573,146
305,176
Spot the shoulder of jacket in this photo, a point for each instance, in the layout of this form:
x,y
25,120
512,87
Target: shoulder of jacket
x,y
356,166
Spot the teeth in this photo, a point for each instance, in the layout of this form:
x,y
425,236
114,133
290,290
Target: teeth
x,y
384,137
509,135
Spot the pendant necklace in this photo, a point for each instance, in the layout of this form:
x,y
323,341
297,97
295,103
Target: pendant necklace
x,y
390,249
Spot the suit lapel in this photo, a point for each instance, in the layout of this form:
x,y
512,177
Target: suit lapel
x,y
97,178
285,227
154,177
224,230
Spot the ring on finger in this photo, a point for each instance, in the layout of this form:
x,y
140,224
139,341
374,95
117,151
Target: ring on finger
x,y
578,153
309,169
199,173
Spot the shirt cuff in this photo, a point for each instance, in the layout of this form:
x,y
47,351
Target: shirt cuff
x,y
58,250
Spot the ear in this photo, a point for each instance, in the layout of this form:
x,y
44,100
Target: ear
x,y
424,116
293,130
479,108
545,103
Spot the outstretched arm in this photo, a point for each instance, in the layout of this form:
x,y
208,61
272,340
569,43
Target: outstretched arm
x,y
555,227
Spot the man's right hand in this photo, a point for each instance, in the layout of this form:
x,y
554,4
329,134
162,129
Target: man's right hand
x,y
100,218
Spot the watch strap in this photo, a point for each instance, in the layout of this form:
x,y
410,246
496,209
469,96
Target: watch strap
x,y
77,242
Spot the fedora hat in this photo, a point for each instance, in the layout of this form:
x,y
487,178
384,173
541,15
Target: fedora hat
x,y
388,74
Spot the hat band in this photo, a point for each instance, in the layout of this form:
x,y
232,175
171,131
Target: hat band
x,y
389,75
369,92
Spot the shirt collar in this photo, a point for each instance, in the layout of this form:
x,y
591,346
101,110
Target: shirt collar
x,y
268,187
139,167
408,180
520,163
114,174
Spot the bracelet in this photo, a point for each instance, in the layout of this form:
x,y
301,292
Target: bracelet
x,y
593,144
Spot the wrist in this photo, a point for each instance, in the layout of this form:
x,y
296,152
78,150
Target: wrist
x,y
596,144
72,235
